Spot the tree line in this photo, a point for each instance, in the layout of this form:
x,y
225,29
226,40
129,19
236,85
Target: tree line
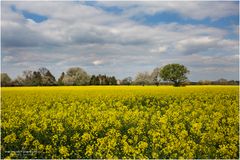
x,y
74,76
171,74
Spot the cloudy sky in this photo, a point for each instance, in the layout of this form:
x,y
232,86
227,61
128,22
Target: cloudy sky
x,y
121,38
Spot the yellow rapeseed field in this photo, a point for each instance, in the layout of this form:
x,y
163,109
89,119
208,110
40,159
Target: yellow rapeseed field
x,y
120,122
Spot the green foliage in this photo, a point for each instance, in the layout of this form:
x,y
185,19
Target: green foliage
x,y
42,77
36,79
102,80
60,79
120,122
127,81
175,73
47,78
5,79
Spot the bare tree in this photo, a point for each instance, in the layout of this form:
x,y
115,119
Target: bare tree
x,y
76,76
143,78
27,77
155,76
46,77
19,81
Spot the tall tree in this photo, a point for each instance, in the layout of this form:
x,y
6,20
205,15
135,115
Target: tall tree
x,y
222,81
47,78
127,81
50,79
176,73
5,79
27,77
155,76
93,80
97,80
102,79
19,81
143,78
112,80
36,79
43,71
105,80
76,76
60,79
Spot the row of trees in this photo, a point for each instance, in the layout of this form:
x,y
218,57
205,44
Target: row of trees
x,y
174,73
43,77
221,81
102,80
171,74
77,76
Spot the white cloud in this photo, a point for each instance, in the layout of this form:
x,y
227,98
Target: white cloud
x,y
76,34
196,45
161,49
8,58
97,62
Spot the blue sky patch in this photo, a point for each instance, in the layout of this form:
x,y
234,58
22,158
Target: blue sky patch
x,y
13,8
29,15
113,9
35,17
109,9
170,17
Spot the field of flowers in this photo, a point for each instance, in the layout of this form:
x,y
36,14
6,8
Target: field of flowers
x,y
120,122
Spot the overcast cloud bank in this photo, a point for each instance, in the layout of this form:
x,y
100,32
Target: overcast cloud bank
x,y
120,38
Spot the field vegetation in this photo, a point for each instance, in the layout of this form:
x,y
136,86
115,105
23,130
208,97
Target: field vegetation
x,y
120,122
